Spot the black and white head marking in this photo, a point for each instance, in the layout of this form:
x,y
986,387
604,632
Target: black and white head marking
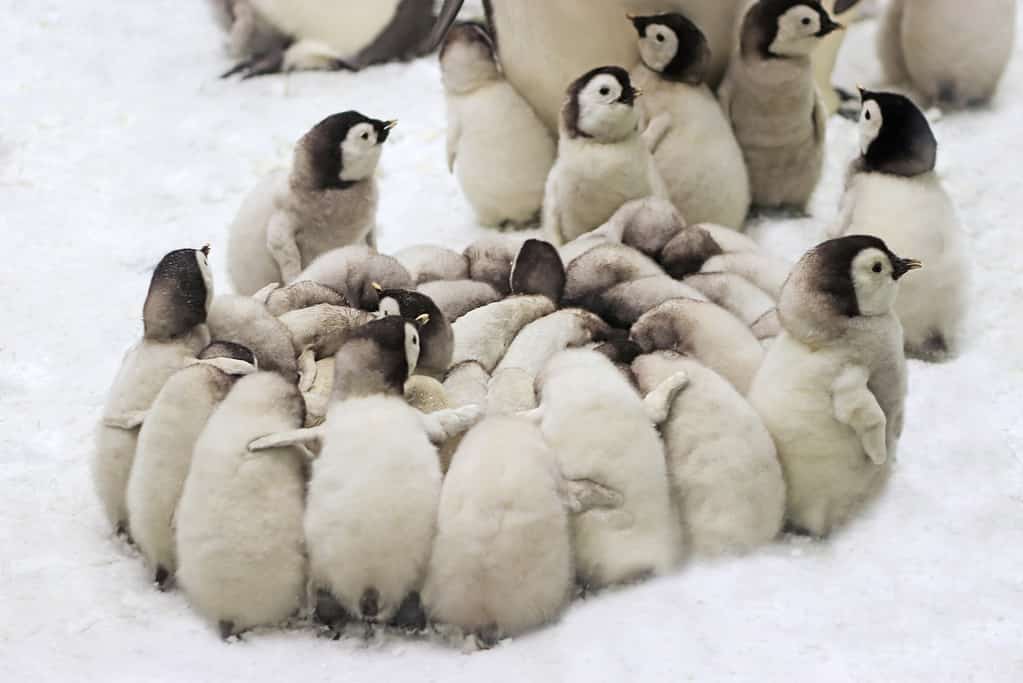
x,y
413,307
857,274
343,149
673,46
180,293
468,58
895,136
599,105
470,33
381,355
785,28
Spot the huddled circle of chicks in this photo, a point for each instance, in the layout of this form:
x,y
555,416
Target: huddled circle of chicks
x,y
462,440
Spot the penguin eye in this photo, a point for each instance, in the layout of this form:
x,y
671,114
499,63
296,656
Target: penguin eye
x,y
866,115
806,21
660,37
605,91
877,267
365,136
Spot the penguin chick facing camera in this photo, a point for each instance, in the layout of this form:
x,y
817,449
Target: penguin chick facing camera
x,y
894,193
603,161
771,98
832,387
327,200
490,127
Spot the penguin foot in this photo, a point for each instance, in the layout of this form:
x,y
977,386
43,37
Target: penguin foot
x,y
162,578
796,530
411,617
330,613
226,630
271,62
121,531
935,349
488,636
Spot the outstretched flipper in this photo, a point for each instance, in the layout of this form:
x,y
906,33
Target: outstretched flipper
x,y
658,402
583,495
445,424
127,421
280,242
306,371
299,439
263,295
855,405
454,135
655,131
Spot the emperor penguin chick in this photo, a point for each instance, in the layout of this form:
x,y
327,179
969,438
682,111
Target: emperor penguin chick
x,y
602,160
358,273
429,263
241,559
953,56
491,127
327,200
894,194
166,441
691,139
605,439
174,318
435,333
455,298
721,460
770,96
502,561
246,321
833,385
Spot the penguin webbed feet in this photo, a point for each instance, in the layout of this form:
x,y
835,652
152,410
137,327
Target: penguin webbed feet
x,y
329,612
163,579
271,62
410,617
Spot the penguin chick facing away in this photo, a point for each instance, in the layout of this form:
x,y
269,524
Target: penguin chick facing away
x,y
770,96
372,503
317,35
327,200
691,139
602,160
168,436
296,296
893,193
606,442
952,55
428,263
358,273
435,333
455,298
490,127
175,331
241,559
722,463
832,387
245,321
502,561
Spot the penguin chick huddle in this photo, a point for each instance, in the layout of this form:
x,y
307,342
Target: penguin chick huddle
x,y
459,443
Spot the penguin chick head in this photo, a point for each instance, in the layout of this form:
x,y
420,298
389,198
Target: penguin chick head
x,y
468,58
436,338
180,293
377,358
600,105
339,151
785,28
673,46
838,280
895,136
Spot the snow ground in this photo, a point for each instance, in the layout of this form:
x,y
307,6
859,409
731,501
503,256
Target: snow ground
x,y
118,143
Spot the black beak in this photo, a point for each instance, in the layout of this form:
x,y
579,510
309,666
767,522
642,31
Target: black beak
x,y
205,250
828,26
629,95
903,266
639,23
440,29
383,130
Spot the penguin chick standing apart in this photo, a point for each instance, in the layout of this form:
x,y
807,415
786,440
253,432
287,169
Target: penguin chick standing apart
x,y
502,150
174,320
692,141
953,53
770,97
602,159
168,436
327,200
832,387
894,194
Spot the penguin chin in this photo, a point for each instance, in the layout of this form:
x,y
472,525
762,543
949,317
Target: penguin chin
x,y
359,166
609,123
466,67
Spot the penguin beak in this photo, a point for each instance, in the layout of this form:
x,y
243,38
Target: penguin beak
x,y
390,124
205,250
637,23
903,266
829,26
629,95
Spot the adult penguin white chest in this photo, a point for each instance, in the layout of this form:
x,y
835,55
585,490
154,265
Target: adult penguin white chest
x,y
166,442
770,96
241,559
174,317
602,160
603,435
692,141
895,194
832,387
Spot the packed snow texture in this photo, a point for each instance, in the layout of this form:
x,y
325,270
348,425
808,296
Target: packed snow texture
x,y
118,143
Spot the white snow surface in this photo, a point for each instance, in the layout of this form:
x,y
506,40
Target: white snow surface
x,y
118,143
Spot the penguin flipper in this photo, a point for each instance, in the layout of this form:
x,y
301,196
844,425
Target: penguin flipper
x,y
127,421
583,495
551,212
280,241
263,295
655,131
659,401
454,136
297,438
855,405
445,424
889,44
306,371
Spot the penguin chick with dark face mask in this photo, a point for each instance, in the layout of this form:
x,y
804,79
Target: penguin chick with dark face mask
x,y
832,386
372,503
500,149
692,141
435,334
894,193
602,160
770,96
174,320
327,200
